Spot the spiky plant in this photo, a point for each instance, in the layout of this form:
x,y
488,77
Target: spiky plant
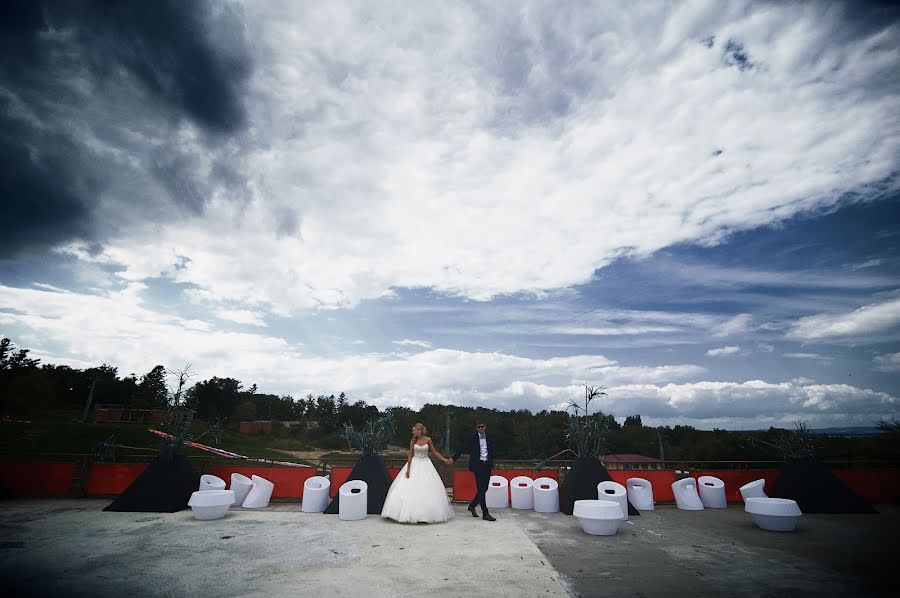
x,y
891,426
586,433
371,438
793,444
175,424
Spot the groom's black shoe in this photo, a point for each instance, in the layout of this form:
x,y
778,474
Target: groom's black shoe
x,y
472,511
489,517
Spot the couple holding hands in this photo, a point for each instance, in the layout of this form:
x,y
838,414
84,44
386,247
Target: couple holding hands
x,y
418,495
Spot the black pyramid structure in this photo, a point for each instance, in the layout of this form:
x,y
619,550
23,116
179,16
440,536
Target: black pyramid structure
x,y
372,470
164,487
816,489
581,484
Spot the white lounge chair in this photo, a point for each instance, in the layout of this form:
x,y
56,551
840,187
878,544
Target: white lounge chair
x,y
497,496
315,494
686,497
753,489
521,490
598,517
640,493
260,495
712,492
211,482
615,492
210,504
354,500
773,514
241,485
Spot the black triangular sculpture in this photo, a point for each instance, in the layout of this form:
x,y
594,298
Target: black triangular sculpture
x,y
372,470
164,487
581,484
816,489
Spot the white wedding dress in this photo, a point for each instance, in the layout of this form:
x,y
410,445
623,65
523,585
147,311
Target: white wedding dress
x,y
421,497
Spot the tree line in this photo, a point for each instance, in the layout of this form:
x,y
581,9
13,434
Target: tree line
x,y
30,389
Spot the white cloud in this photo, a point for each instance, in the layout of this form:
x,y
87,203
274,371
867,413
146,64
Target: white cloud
x,y
413,343
813,356
723,351
889,362
866,323
765,347
736,325
517,154
867,264
241,316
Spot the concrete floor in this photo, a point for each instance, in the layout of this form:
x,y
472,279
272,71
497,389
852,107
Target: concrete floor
x,y
72,548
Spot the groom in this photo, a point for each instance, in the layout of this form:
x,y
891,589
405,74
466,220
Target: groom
x,y
481,456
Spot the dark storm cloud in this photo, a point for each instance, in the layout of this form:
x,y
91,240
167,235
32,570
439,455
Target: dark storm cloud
x,y
62,64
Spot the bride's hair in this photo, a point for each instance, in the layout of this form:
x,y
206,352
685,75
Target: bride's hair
x,y
422,428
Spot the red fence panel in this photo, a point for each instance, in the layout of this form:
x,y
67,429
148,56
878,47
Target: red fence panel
x,y
661,479
339,475
36,479
288,480
113,478
874,485
464,480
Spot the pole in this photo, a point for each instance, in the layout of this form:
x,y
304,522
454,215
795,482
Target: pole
x,y
662,454
447,432
90,399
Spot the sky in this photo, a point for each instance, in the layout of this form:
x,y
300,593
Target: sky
x,y
691,204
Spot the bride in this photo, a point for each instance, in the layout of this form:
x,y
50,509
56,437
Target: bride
x,y
417,494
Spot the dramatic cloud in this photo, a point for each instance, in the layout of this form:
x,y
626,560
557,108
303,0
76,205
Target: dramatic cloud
x,y
519,153
111,113
868,322
889,363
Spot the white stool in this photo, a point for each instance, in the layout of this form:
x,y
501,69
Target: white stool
x,y
773,514
260,494
753,489
546,495
210,504
712,492
211,482
315,494
521,492
615,492
640,493
241,485
598,517
354,500
497,496
686,497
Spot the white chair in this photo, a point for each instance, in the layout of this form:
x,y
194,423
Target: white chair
x,y
753,489
686,497
211,482
598,517
773,514
260,494
315,494
241,486
546,495
521,492
210,504
712,492
354,500
615,492
640,493
497,496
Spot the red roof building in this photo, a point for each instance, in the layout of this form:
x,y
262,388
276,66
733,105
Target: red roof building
x,y
630,461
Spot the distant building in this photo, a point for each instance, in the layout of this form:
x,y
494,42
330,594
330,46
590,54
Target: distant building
x,y
256,427
630,461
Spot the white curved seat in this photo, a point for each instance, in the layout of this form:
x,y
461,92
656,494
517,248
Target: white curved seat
x,y
773,514
211,482
712,492
354,500
521,490
640,493
753,489
615,492
598,517
210,504
315,494
260,494
497,496
546,495
241,485
686,497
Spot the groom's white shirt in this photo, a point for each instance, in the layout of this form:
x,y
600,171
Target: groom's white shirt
x,y
482,443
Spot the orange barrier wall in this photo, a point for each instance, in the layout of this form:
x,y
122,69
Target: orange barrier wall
x,y
36,479
113,478
875,485
464,480
661,479
288,480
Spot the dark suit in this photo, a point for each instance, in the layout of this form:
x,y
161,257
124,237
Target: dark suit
x,y
481,469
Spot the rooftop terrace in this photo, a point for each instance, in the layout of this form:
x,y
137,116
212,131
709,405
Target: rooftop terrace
x,y
69,547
